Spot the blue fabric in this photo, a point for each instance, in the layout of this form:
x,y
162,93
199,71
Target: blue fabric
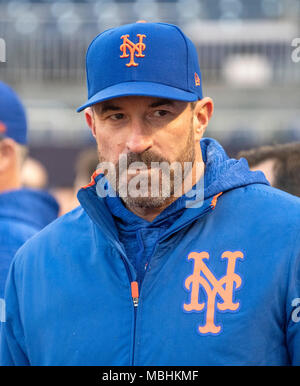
x,y
110,73
139,236
22,213
69,300
13,122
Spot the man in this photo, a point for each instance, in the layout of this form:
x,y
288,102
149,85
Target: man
x,y
23,212
34,174
194,277
280,164
86,163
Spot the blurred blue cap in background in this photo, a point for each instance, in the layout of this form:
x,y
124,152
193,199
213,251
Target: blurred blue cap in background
x,y
13,122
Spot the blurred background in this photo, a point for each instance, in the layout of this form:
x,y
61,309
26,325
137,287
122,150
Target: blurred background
x,y
245,49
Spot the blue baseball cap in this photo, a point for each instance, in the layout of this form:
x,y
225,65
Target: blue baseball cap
x,y
146,59
13,123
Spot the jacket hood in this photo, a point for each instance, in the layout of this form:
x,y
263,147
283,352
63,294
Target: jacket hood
x,y
223,173
34,207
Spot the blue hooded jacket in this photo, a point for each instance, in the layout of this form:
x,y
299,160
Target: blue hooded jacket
x,y
23,212
221,285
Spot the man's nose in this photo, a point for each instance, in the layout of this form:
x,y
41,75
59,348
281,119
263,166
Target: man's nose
x,y
139,139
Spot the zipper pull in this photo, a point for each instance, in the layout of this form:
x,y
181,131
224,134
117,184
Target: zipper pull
x,y
135,293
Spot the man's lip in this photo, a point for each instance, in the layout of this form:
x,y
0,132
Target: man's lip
x,y
143,169
135,172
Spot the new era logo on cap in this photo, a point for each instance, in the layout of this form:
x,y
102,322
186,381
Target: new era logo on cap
x,y
197,80
156,60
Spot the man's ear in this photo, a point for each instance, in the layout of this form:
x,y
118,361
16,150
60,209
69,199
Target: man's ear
x,y
203,111
8,154
90,120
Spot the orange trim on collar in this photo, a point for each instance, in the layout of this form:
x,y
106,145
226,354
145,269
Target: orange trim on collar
x,y
94,175
214,200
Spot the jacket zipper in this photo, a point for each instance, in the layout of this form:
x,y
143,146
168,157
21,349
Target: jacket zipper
x,y
135,302
135,299
135,293
135,286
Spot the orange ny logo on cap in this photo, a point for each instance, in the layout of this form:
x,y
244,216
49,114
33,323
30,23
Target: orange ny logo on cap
x,y
135,50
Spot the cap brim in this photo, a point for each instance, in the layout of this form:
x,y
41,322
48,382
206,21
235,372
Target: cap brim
x,y
157,90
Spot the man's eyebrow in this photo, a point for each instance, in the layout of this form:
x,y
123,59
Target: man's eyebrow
x,y
109,107
163,102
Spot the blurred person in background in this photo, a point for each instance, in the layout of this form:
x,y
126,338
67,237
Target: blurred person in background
x,y
34,174
85,165
280,163
23,211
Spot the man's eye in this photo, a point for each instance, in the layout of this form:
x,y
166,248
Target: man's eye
x,y
160,113
117,117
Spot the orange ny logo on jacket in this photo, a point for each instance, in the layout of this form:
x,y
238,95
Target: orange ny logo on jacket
x,y
203,278
134,50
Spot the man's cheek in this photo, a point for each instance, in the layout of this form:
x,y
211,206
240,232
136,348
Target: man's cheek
x,y
106,148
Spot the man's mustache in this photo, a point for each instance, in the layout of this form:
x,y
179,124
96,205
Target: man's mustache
x,y
147,157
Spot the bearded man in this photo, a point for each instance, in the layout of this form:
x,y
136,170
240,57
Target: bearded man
x,y
192,264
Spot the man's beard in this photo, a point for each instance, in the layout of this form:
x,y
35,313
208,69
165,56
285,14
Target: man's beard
x,y
164,193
